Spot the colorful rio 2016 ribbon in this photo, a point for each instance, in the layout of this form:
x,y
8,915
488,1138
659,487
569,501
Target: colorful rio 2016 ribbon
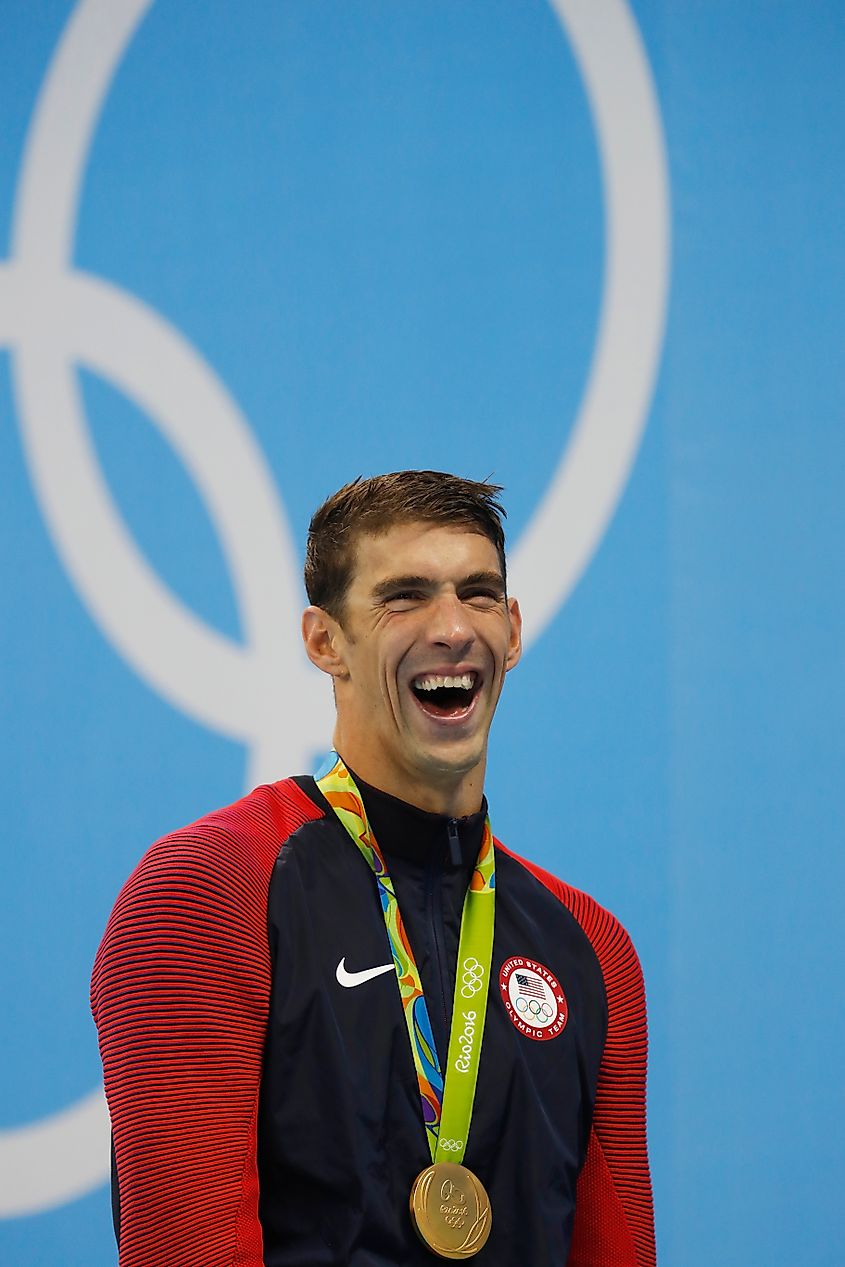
x,y
446,1103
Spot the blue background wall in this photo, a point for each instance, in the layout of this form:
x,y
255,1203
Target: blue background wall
x,y
383,228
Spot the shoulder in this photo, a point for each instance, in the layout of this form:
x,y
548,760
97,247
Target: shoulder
x,y
205,883
262,820
610,941
238,842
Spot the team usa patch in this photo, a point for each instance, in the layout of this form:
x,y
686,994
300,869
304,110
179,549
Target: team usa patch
x,y
533,998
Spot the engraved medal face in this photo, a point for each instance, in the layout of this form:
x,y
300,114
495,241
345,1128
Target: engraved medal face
x,y
450,1210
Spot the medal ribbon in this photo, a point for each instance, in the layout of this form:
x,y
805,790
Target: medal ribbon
x,y
446,1103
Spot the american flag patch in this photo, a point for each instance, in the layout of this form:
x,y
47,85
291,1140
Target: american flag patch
x,y
533,999
530,986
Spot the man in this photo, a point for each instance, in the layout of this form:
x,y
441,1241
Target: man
x,y
339,1024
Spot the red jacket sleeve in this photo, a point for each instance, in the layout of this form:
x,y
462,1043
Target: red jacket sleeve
x,y
614,1215
180,995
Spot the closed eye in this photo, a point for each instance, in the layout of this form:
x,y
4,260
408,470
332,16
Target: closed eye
x,y
403,598
483,594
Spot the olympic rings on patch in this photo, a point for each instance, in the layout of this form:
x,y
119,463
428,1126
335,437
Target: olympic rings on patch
x,y
541,1010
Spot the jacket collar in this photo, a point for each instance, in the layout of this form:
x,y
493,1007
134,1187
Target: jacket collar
x,y
405,831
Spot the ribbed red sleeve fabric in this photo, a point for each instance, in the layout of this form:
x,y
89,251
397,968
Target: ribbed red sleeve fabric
x,y
180,995
614,1215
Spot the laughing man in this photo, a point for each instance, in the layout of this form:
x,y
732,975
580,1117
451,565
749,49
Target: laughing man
x,y
341,1024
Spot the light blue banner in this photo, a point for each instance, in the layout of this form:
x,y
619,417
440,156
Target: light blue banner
x,y
593,249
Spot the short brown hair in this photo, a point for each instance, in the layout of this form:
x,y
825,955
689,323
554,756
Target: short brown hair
x,y
376,504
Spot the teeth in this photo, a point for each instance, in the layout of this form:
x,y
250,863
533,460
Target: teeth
x,y
434,681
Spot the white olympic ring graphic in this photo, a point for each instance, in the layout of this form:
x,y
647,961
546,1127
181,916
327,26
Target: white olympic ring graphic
x,y
451,1145
54,317
473,973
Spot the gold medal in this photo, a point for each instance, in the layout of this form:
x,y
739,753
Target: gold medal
x,y
450,1210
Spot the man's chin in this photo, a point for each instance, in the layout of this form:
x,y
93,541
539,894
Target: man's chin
x,y
449,761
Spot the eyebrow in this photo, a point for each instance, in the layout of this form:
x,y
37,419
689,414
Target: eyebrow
x,y
494,579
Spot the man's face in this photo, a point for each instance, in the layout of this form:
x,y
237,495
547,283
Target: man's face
x,y
426,639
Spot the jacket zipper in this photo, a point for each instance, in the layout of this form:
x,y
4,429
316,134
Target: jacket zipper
x,y
454,842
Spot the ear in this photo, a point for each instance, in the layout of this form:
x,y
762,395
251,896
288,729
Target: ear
x,y
323,638
515,641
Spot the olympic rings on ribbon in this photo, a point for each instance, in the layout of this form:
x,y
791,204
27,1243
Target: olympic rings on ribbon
x,y
473,974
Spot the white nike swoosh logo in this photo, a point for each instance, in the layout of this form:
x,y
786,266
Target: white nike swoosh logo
x,y
358,978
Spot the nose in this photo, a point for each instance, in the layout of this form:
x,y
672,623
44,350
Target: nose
x,y
450,624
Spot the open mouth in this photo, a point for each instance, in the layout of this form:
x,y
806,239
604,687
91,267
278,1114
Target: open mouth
x,y
440,695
